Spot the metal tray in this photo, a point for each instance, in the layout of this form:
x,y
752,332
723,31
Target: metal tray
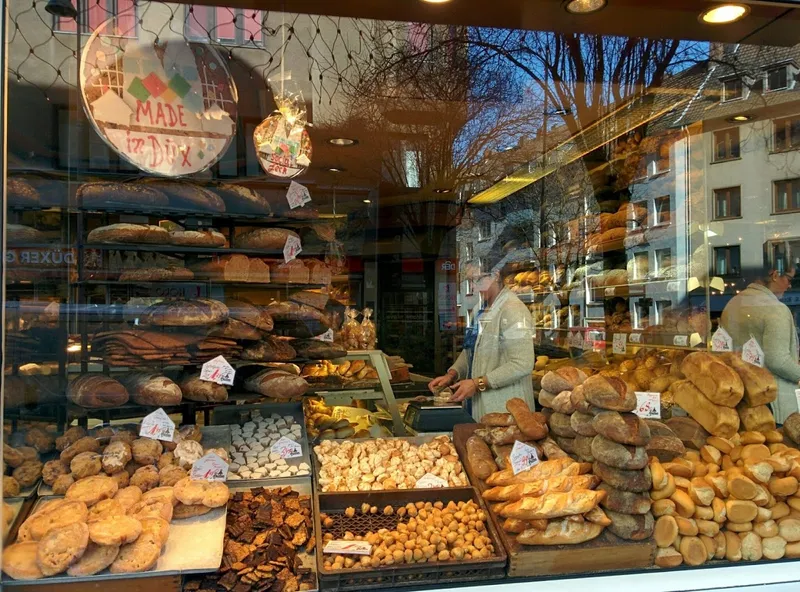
x,y
213,437
423,574
16,504
239,414
194,546
424,439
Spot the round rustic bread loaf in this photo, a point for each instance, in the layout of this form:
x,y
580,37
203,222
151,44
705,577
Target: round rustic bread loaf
x,y
97,391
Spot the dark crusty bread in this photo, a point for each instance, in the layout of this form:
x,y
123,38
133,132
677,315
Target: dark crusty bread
x,y
264,238
110,195
270,349
17,233
21,193
185,313
195,389
631,527
608,392
234,329
226,268
197,238
277,384
625,502
314,349
241,200
153,390
623,428
255,316
617,455
318,300
96,391
156,274
129,233
636,481
186,196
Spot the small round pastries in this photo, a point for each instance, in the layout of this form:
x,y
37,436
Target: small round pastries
x,y
146,451
145,478
85,444
40,440
140,555
10,486
62,484
19,561
115,530
164,494
166,460
208,493
52,470
95,559
12,456
122,478
106,509
182,511
69,437
187,452
28,473
153,508
126,436
61,547
156,526
115,456
86,464
128,496
92,489
170,475
55,514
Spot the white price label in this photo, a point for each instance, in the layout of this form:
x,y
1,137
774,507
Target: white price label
x,y
348,548
681,340
523,457
287,448
218,370
429,481
648,405
635,337
158,426
721,341
209,468
620,343
297,195
752,353
292,248
327,336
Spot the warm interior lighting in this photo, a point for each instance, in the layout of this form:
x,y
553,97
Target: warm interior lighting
x,y
724,13
342,141
367,201
335,170
436,1
740,118
442,190
584,6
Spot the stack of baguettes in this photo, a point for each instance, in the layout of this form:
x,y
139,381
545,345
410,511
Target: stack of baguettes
x,y
620,455
552,503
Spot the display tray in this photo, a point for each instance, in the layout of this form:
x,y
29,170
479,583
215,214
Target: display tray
x,y
213,437
194,546
16,504
605,553
239,414
427,574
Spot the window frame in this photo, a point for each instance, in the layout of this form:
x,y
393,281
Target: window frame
x,y
729,145
788,119
724,98
770,70
211,24
729,249
791,182
481,236
714,201
86,28
657,221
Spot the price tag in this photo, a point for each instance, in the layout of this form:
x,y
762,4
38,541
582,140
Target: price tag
x,y
680,340
429,480
620,343
327,336
218,370
523,457
157,426
298,195
292,248
648,405
635,337
348,548
752,353
287,448
721,341
209,468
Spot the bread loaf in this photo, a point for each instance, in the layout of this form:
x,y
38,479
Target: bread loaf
x,y
617,455
716,419
270,349
292,272
96,391
631,527
582,446
314,349
668,557
560,425
756,419
691,433
635,481
625,502
152,390
197,238
498,420
264,238
693,550
112,195
480,458
665,448
533,425
233,329
276,384
184,195
543,470
623,428
665,531
608,392
561,532
227,268
194,389
318,272
791,427
563,379
552,450
563,403
760,387
579,401
545,398
315,299
553,505
713,378
501,436
156,274
185,313
128,233
581,424
540,487
255,316
241,200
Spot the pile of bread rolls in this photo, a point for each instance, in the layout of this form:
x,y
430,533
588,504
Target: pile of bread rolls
x,y
736,499
555,399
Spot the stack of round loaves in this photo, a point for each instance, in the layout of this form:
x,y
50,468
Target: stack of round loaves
x,y
620,455
555,399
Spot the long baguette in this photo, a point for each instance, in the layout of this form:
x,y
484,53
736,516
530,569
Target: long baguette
x,y
543,470
561,532
541,487
554,505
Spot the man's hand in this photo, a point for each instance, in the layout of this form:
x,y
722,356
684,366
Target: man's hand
x,y
464,389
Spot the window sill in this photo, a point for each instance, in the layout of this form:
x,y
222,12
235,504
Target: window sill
x,y
785,150
722,219
782,212
722,160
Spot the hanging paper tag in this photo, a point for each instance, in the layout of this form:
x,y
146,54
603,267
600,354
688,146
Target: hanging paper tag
x,y
327,336
721,341
218,370
297,195
292,248
619,344
348,548
635,337
429,480
752,353
157,426
680,340
209,468
648,405
523,457
287,448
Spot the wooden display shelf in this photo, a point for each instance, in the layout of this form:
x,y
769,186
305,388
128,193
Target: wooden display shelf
x,y
605,553
139,583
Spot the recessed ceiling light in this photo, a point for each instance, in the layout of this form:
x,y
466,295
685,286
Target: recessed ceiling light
x,y
367,201
436,1
584,6
722,14
740,118
335,169
342,141
442,190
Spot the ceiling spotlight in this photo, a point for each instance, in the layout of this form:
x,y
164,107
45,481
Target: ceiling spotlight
x,y
436,1
722,14
442,190
61,8
342,141
740,118
584,6
335,170
367,201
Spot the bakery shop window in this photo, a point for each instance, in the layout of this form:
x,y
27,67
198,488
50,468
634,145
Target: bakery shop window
x,y
732,89
727,203
726,144
95,12
787,195
662,214
786,133
727,261
233,26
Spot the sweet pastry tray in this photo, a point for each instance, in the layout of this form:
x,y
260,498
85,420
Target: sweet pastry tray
x,y
213,437
194,546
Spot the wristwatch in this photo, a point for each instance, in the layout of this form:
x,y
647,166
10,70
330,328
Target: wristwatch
x,y
481,383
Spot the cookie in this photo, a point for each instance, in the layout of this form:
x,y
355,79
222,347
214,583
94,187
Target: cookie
x,y
187,452
10,486
122,478
12,457
170,475
55,514
95,559
19,561
167,459
128,496
115,456
145,478
69,437
92,489
86,464
62,547
62,484
140,555
106,509
182,511
28,473
85,444
40,440
154,508
209,493
164,494
146,451
52,470
126,436
156,526
115,530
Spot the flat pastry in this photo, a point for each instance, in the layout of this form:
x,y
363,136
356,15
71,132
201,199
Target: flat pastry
x,y
140,555
128,496
208,493
95,559
156,526
56,514
183,511
19,561
106,509
115,530
154,508
92,489
61,547
164,494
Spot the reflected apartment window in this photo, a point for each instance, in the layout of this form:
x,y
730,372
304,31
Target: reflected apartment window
x,y
469,253
232,26
787,195
732,89
727,261
96,13
662,211
777,78
727,203
786,133
484,230
726,144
